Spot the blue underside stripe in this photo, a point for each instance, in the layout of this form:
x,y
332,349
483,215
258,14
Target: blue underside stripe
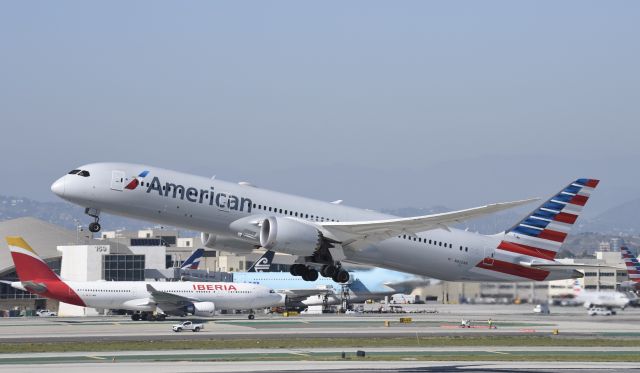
x,y
563,197
527,231
536,223
553,206
545,214
572,189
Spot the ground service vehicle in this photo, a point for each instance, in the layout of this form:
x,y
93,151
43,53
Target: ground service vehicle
x,y
187,325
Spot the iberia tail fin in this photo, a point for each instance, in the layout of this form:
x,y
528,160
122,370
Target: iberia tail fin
x,y
28,264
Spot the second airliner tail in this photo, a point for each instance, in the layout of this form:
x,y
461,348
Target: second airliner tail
x,y
29,266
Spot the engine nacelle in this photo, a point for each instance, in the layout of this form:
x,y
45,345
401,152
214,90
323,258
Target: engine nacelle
x,y
208,239
289,236
202,309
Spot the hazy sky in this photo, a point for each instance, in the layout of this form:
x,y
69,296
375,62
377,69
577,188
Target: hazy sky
x,y
383,104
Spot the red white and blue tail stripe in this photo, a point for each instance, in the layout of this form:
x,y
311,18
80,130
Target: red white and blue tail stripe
x,y
540,235
633,266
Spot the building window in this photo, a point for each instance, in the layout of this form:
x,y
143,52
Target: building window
x,y
123,267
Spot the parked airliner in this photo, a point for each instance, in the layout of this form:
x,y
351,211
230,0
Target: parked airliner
x,y
241,217
150,300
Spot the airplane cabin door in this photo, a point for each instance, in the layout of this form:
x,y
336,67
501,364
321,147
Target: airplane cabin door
x,y
117,180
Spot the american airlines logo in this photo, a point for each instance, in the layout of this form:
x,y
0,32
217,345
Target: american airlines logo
x,y
202,196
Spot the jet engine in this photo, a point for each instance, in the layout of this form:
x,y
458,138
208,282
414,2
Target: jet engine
x,y
208,240
289,236
202,309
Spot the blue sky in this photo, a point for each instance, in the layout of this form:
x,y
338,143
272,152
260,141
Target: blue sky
x,y
382,104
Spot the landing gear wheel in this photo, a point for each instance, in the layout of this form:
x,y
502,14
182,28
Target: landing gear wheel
x,y
135,317
311,275
297,269
94,227
328,270
252,316
341,276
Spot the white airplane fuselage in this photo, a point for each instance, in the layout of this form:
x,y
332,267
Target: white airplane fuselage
x,y
134,295
211,206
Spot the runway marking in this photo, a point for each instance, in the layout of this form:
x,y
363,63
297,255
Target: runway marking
x,y
300,354
97,357
499,352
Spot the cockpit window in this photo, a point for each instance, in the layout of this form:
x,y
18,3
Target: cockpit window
x,y
73,172
84,173
271,291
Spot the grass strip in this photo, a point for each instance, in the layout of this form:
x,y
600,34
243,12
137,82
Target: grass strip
x,y
311,342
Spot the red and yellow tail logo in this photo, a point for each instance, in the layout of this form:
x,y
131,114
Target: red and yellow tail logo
x,y
28,264
36,275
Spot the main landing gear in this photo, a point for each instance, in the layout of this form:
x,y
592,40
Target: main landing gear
x,y
148,316
336,273
307,273
95,214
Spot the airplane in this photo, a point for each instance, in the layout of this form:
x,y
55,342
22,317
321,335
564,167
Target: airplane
x,y
363,284
193,261
633,268
593,298
149,300
323,235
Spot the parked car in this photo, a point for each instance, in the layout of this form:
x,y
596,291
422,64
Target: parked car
x,y
600,311
187,325
45,313
542,309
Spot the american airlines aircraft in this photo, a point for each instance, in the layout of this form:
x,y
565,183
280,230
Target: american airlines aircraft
x,y
241,217
153,300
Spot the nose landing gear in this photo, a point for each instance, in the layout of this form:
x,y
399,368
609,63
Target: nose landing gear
x,y
95,214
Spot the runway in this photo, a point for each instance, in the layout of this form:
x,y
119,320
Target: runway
x,y
508,320
327,366
511,320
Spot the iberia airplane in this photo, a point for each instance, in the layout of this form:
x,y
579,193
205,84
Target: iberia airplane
x,y
150,300
323,235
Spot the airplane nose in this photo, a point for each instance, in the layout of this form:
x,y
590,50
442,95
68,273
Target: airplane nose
x,y
58,187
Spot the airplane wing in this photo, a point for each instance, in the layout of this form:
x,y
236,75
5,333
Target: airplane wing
x,y
550,266
302,294
355,232
164,297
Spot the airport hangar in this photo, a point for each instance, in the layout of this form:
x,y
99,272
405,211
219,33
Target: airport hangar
x,y
154,254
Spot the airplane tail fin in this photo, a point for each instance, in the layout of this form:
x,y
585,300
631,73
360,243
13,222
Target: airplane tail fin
x,y
358,287
633,266
544,230
28,264
194,260
264,263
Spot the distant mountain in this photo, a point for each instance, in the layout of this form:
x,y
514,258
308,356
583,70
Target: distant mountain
x,y
624,218
61,213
